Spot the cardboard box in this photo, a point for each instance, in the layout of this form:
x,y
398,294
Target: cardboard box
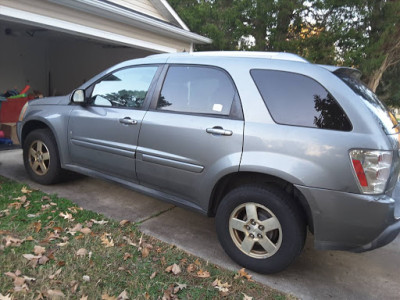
x,y
10,131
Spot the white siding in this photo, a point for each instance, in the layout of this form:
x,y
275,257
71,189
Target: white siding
x,y
48,9
142,6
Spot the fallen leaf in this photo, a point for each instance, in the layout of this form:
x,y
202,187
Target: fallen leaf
x,y
66,216
190,268
45,198
15,205
29,279
179,287
169,293
243,273
84,298
5,297
105,241
245,297
127,255
145,252
85,230
222,287
80,236
75,229
55,293
102,222
37,226
55,274
153,275
25,190
62,244
42,260
11,241
175,269
197,262
21,199
124,222
203,274
81,252
31,256
107,297
38,250
73,286
129,241
123,296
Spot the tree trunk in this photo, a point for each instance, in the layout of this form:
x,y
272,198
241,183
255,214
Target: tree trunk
x,y
376,77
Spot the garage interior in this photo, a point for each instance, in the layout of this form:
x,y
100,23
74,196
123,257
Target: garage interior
x,y
51,62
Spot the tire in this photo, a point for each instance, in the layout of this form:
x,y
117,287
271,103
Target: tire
x,y
41,157
261,228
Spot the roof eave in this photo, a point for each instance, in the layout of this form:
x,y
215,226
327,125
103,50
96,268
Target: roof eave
x,y
132,18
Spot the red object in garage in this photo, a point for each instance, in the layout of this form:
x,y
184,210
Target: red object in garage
x,y
10,109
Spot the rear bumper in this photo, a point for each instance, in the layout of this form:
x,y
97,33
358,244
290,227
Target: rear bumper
x,y
352,222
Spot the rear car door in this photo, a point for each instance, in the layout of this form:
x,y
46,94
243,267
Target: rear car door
x,y
192,135
103,133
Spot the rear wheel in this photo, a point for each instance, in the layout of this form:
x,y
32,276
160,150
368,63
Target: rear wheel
x,y
41,158
261,228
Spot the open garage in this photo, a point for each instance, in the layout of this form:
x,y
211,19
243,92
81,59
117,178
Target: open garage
x,y
54,46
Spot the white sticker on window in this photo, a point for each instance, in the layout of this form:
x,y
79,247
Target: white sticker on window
x,y
217,107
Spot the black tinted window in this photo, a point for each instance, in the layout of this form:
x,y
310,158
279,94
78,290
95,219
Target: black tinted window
x,y
193,89
294,99
124,88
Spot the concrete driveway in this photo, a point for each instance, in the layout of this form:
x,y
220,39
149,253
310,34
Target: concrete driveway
x,y
314,275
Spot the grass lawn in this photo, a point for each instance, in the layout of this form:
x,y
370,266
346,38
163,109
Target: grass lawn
x,y
52,249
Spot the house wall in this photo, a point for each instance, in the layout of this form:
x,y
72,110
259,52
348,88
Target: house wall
x,y
49,9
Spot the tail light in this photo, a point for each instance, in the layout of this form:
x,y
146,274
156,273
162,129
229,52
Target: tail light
x,y
372,169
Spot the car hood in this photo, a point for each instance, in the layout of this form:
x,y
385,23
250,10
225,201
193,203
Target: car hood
x,y
50,100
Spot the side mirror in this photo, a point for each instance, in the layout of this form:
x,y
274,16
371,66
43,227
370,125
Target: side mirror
x,y
78,96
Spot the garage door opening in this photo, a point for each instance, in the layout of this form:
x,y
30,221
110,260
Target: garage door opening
x,y
53,63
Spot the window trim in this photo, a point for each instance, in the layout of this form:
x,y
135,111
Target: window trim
x,y
313,79
236,112
147,100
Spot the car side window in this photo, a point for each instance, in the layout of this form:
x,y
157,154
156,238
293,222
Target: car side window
x,y
197,89
124,88
295,99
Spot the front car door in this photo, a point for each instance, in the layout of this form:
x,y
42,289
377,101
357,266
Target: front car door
x,y
192,135
103,133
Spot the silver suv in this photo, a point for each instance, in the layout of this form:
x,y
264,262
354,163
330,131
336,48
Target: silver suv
x,y
268,143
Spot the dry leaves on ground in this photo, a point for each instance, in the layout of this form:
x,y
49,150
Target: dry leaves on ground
x,y
175,269
222,287
242,273
106,240
203,274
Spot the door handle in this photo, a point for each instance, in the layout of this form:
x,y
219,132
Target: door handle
x,y
128,121
219,131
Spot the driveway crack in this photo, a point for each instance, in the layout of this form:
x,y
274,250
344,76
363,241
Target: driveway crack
x,y
154,215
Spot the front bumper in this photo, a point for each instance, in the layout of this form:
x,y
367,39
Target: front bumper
x,y
352,222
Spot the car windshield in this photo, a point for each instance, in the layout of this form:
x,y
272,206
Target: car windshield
x,y
379,110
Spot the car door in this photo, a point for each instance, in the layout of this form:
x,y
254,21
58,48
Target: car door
x,y
103,133
192,135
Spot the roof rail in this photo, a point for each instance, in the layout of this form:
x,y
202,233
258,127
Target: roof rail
x,y
253,54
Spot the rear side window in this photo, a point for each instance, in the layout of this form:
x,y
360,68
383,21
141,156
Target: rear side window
x,y
295,99
198,90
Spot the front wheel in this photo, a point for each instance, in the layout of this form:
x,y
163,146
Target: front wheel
x,y
261,228
41,158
